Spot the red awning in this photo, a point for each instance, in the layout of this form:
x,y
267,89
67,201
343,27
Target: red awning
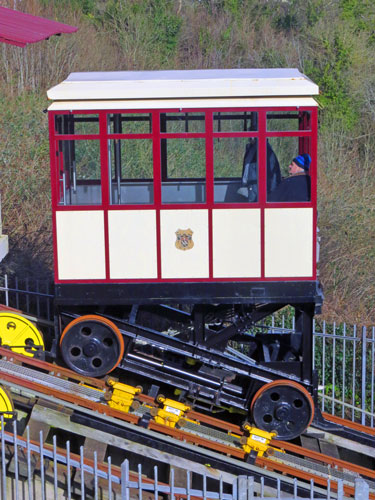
x,y
18,28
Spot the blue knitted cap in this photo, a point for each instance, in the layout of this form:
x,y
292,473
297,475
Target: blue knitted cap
x,y
303,161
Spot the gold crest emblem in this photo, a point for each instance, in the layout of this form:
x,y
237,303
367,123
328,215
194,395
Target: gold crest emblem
x,y
184,239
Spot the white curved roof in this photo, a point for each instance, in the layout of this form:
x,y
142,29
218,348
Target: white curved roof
x,y
183,104
211,83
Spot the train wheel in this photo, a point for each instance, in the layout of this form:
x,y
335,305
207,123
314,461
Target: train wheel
x,y
283,406
19,334
92,345
6,405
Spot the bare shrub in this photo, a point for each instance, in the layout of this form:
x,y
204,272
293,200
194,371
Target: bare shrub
x,y
347,223
24,160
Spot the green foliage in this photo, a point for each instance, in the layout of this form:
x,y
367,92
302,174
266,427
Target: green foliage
x,y
87,7
148,25
331,74
361,13
298,16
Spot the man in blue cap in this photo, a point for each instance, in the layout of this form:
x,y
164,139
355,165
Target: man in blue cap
x,y
296,187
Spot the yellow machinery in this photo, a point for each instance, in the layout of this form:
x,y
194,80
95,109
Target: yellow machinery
x,y
122,397
19,334
6,405
171,413
257,441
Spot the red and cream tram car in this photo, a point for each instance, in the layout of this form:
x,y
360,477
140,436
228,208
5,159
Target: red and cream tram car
x,y
169,243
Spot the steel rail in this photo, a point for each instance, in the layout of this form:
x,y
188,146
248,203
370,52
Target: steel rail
x,y
316,455
177,434
349,423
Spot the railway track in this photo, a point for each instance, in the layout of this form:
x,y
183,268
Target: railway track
x,y
87,401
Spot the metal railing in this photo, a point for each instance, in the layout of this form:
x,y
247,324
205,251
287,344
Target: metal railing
x,y
31,296
345,359
343,355
39,471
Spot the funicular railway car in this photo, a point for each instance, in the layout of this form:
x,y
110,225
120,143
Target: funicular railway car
x,y
170,246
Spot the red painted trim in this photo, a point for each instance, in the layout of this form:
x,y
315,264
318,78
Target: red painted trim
x,y
262,183
104,169
210,187
181,110
187,280
78,137
157,185
78,208
158,244
235,134
130,136
174,206
76,112
183,206
209,134
54,188
295,133
289,204
314,181
183,135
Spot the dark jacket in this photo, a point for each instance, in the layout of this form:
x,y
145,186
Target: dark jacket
x,y
294,188
250,170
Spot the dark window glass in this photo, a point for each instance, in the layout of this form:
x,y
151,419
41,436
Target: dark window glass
x,y
181,123
183,169
235,121
288,121
77,124
131,171
294,183
235,170
130,123
79,172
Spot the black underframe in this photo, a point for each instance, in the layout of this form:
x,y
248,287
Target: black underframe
x,y
275,292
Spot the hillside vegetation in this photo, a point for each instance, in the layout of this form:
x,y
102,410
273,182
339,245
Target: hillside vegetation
x,y
331,42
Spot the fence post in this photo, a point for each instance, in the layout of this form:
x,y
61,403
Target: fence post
x,y
340,489
361,490
242,488
250,488
363,377
6,290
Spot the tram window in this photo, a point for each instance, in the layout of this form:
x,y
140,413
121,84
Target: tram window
x,y
183,170
79,172
235,170
292,187
131,171
235,121
130,123
181,123
77,124
288,121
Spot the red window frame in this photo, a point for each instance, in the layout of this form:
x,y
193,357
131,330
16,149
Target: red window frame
x,y
261,134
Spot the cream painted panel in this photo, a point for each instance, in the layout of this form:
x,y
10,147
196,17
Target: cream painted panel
x,y
288,242
80,245
236,243
192,263
132,244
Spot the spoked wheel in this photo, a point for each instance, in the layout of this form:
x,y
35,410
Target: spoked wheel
x,y
283,406
92,345
20,335
6,405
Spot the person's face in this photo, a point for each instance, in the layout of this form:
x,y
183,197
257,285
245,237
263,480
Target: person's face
x,y
294,168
